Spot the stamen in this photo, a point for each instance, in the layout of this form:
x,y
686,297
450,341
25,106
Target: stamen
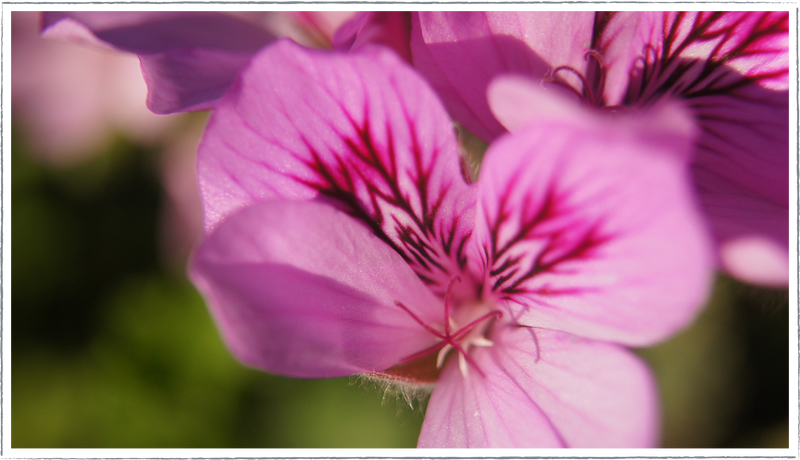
x,y
421,323
449,340
586,87
597,57
601,81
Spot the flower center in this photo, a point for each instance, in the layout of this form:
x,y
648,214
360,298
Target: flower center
x,y
475,318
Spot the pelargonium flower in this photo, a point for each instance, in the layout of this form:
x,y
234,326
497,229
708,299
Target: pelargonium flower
x,y
730,70
343,238
189,58
71,101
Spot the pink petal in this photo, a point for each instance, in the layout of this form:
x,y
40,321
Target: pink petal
x,y
389,28
362,129
756,260
302,289
741,167
460,53
694,53
544,388
189,58
732,71
72,100
517,101
593,229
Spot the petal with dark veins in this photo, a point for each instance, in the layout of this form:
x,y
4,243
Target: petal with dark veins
x,y
360,129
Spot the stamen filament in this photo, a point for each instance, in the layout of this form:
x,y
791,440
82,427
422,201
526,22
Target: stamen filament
x,y
421,323
586,88
601,82
449,340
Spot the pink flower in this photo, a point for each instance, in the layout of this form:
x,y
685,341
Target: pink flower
x,y
70,101
342,238
189,59
730,70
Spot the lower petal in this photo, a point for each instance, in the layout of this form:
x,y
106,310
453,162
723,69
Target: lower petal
x,y
544,388
304,290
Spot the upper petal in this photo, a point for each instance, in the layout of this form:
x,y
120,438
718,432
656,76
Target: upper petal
x,y
189,58
360,128
687,54
302,289
460,53
593,229
544,388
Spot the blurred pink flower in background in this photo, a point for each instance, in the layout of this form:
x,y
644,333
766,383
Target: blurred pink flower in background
x,y
238,34
343,239
72,100
189,59
730,70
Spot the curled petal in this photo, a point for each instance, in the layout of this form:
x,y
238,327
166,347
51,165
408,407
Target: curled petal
x,y
302,289
461,52
592,229
517,101
361,129
756,260
544,388
189,58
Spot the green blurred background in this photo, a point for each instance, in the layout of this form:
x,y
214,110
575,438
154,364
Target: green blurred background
x,y
112,347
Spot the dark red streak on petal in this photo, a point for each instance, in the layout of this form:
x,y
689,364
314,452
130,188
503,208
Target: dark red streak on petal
x,y
366,178
561,245
668,70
